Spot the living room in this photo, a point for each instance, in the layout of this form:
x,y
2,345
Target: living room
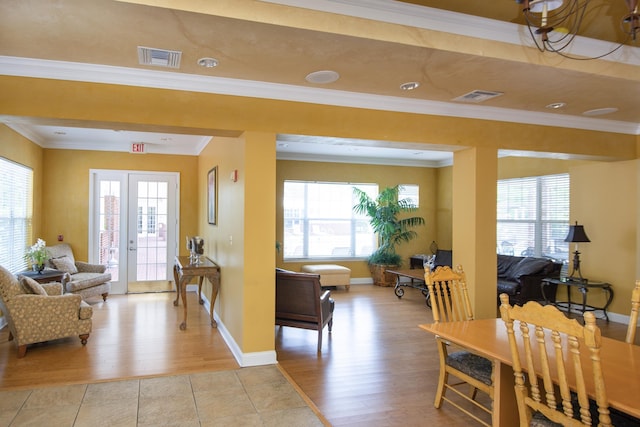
x,y
460,199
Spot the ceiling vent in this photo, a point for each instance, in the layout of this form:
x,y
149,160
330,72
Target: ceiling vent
x,y
159,57
477,96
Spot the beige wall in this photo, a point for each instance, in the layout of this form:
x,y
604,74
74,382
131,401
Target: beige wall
x,y
384,176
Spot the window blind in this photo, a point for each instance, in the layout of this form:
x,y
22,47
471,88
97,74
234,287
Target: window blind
x,y
16,212
533,216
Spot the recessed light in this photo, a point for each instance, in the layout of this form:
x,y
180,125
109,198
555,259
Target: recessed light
x,y
409,85
59,132
600,111
556,105
208,62
322,77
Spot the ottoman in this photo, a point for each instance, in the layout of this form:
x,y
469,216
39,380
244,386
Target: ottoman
x,y
330,274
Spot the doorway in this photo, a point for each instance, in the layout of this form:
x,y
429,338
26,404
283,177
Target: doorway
x,y
133,223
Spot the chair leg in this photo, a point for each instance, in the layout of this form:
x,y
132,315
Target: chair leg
x,y
22,350
104,296
442,380
84,338
319,340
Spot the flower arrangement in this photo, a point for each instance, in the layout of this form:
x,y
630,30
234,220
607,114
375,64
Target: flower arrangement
x,y
37,254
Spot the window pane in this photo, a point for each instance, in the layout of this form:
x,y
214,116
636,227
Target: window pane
x,y
410,192
533,216
16,211
319,221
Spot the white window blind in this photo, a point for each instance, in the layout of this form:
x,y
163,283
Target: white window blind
x,y
16,211
319,221
410,192
533,216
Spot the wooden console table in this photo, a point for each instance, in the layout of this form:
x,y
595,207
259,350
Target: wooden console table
x,y
184,270
583,287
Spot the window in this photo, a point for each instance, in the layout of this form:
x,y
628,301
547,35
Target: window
x,y
319,221
410,192
16,214
533,216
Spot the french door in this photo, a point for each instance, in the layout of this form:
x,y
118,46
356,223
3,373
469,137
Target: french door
x,y
133,224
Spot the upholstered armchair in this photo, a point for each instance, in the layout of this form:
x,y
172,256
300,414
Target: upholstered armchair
x,y
82,278
301,303
37,313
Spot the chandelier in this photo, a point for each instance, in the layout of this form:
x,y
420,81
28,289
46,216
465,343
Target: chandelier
x,y
553,24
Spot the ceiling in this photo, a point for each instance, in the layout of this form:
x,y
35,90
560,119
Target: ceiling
x,y
266,48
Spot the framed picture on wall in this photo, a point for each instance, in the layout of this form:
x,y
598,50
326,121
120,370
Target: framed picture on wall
x,y
212,195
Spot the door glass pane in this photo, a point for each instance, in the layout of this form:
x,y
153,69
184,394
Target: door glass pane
x,y
109,226
152,225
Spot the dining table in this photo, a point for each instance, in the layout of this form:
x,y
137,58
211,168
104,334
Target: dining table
x,y
488,338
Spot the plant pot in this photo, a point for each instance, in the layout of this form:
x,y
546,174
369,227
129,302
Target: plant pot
x,y
380,275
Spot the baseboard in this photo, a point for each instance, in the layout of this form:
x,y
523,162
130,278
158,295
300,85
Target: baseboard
x,y
244,359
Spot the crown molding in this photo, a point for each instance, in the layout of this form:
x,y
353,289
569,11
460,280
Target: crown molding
x,y
92,73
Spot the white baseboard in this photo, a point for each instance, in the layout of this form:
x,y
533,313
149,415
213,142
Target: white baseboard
x,y
244,359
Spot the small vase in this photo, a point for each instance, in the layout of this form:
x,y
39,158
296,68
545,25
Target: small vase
x,y
38,268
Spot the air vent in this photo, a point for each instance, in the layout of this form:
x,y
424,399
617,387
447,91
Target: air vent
x,y
477,96
159,57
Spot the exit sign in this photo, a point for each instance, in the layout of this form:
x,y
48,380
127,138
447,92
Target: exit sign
x,y
137,147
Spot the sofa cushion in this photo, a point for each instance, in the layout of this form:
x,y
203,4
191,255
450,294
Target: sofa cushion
x,y
32,286
530,265
508,287
81,281
506,263
66,264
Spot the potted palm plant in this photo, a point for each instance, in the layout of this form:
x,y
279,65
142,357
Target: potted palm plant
x,y
386,217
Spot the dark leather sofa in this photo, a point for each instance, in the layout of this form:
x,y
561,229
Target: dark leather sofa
x,y
301,302
521,278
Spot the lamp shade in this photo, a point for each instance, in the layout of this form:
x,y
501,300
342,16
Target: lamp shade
x,y
576,234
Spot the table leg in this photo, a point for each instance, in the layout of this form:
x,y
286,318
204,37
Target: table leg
x,y
183,292
583,291
505,407
215,286
568,299
200,280
609,291
176,280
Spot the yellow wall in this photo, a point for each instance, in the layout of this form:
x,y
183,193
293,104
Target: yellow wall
x,y
246,217
384,176
66,190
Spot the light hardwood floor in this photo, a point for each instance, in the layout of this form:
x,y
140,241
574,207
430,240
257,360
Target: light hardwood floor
x,y
376,368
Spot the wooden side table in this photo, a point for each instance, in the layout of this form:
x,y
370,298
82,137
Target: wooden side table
x,y
183,271
47,275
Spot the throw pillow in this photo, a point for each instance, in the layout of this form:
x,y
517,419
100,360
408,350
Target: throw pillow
x,y
33,286
66,264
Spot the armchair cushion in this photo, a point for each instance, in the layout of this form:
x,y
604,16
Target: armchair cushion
x,y
32,286
88,279
66,264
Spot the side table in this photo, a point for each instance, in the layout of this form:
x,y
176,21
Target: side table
x,y
583,287
46,276
183,271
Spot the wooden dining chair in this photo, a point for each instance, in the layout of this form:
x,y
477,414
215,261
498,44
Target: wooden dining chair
x,y
550,345
450,302
633,318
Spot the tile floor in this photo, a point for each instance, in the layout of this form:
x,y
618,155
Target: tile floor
x,y
255,396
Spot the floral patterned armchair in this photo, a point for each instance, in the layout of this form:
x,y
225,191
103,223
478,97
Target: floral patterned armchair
x,y
37,313
82,278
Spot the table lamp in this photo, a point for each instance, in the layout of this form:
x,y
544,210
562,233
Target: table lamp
x,y
576,235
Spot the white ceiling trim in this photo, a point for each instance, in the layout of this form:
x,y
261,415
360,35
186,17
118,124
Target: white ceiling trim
x,y
73,71
457,23
362,160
